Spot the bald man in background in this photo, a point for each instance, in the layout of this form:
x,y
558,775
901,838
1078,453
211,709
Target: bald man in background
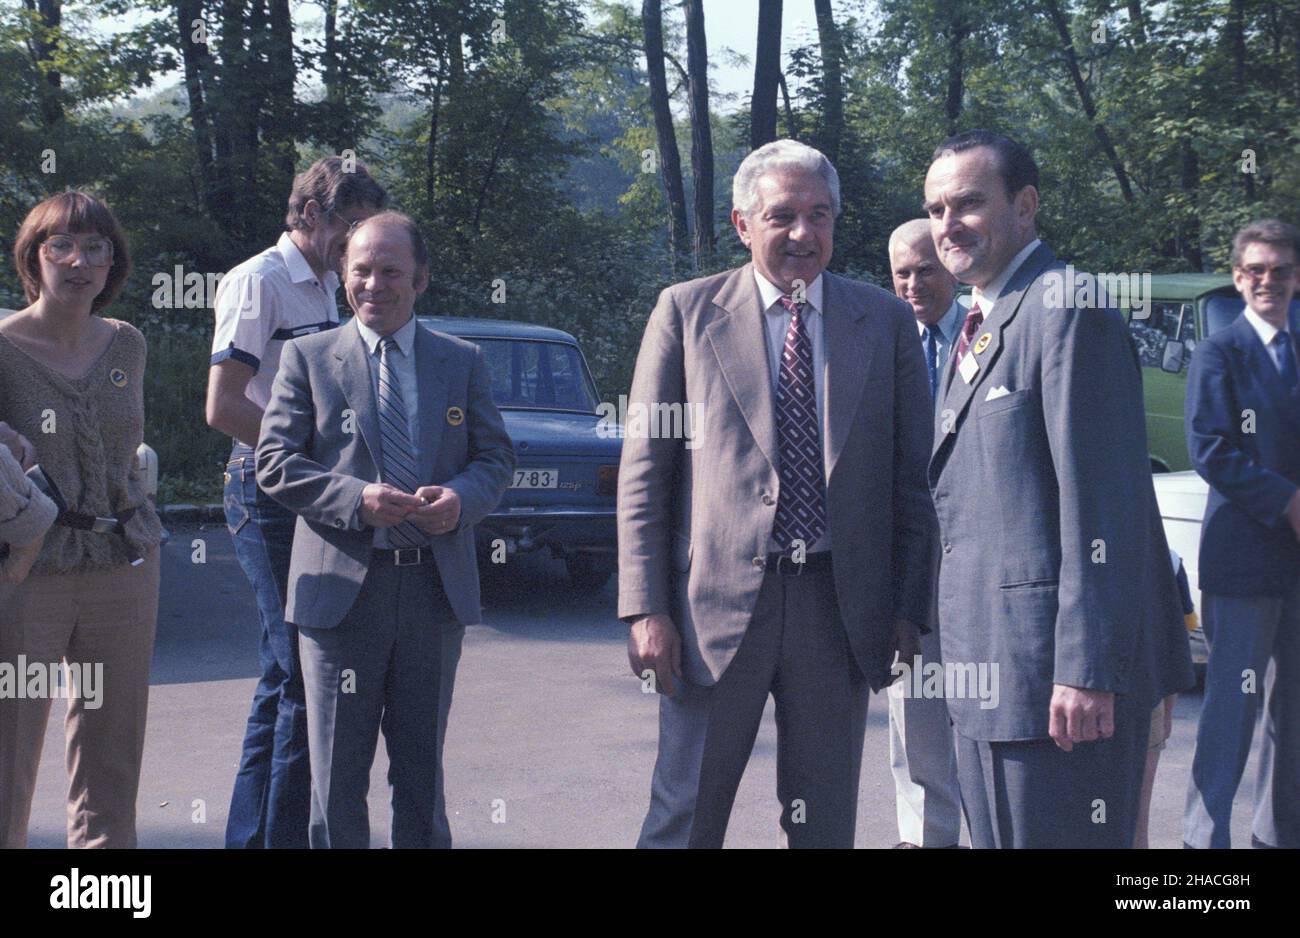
x,y
922,753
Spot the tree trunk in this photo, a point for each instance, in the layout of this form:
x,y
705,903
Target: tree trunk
x,y
197,64
767,73
430,152
958,31
697,67
793,130
280,124
670,160
828,35
1190,175
44,47
1085,97
330,75
1139,21
1237,42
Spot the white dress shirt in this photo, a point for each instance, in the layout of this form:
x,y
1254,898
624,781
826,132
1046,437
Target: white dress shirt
x,y
776,323
1267,332
987,296
401,361
947,329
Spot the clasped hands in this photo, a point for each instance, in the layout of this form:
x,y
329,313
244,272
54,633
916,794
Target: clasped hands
x,y
434,509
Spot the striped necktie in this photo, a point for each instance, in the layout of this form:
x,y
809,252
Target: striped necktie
x,y
398,463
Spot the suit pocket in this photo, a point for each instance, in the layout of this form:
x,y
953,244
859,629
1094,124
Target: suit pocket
x,y
1030,585
1005,402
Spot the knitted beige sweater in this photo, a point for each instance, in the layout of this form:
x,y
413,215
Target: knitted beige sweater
x,y
86,432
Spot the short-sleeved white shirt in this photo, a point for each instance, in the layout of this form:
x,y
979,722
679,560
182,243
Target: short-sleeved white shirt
x,y
263,303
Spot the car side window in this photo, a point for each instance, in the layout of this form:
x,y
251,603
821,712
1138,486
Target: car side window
x,y
1165,322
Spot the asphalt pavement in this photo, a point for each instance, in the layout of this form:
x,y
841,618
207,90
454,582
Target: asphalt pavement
x,y
551,741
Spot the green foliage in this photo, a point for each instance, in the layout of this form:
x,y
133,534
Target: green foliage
x,y
516,133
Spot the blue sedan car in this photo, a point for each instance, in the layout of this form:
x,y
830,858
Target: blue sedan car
x,y
562,495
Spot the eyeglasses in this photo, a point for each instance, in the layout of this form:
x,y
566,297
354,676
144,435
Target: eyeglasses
x,y
1259,271
97,251
352,225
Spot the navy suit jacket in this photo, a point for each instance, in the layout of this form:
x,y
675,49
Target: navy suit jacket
x,y
1247,546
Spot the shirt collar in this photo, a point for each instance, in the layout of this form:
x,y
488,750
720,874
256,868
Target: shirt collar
x,y
947,324
1266,330
299,270
990,293
771,293
404,337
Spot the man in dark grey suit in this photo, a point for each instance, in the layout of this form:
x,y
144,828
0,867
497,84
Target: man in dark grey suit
x,y
382,437
784,548
1055,576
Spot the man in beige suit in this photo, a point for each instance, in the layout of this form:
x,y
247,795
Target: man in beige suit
x,y
784,548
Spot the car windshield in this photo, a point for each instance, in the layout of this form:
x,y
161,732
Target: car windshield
x,y
538,375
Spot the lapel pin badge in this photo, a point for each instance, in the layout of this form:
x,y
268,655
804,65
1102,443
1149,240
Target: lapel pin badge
x,y
455,416
118,377
983,342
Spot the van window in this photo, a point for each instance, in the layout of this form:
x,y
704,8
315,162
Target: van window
x,y
1220,311
1167,321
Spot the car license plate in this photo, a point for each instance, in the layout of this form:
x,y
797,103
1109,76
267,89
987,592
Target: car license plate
x,y
536,479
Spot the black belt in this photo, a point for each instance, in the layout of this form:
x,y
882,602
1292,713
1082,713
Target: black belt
x,y
404,556
80,521
786,565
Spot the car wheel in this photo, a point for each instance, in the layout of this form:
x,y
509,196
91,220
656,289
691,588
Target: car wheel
x,y
588,572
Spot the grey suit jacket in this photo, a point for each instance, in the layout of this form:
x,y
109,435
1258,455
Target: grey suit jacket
x,y
693,523
1054,561
320,446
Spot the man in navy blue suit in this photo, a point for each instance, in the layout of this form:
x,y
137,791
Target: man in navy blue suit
x,y
1243,434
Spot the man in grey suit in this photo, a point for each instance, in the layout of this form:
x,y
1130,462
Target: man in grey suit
x,y
382,437
922,753
1055,575
785,548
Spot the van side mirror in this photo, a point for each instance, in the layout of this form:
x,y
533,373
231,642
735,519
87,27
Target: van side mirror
x,y
1172,360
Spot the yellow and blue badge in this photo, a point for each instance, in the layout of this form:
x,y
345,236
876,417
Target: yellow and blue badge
x,y
455,416
982,343
118,377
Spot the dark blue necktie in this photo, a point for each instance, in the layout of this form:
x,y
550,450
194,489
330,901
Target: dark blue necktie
x,y
932,357
1285,357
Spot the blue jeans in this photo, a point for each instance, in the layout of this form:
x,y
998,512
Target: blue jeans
x,y
271,803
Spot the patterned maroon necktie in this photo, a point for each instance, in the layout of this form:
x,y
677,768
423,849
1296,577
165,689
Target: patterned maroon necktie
x,y
801,509
974,319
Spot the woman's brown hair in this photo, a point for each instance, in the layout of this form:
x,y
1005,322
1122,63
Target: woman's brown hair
x,y
72,212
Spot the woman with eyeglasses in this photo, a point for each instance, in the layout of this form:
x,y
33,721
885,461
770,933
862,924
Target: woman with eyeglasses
x,y
71,382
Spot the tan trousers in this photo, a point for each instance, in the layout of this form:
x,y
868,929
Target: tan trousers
x,y
103,618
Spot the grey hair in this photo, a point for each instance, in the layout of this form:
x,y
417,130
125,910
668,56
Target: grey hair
x,y
910,232
781,156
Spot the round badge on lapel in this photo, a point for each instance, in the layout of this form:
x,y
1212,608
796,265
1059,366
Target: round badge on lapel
x,y
983,343
118,377
455,416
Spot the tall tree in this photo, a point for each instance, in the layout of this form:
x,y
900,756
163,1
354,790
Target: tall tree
x,y
1071,60
832,80
697,68
44,49
670,161
767,74
958,32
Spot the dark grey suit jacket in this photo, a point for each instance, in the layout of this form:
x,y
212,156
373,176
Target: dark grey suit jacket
x,y
1054,561
320,446
693,523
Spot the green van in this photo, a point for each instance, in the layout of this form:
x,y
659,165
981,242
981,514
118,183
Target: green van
x,y
1184,309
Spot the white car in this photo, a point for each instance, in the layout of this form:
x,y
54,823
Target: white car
x,y
1182,497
